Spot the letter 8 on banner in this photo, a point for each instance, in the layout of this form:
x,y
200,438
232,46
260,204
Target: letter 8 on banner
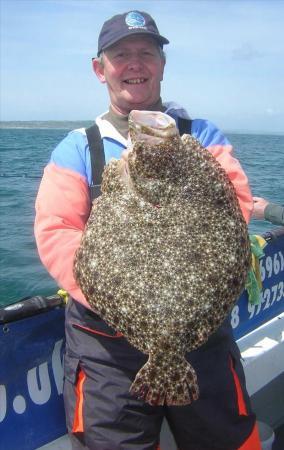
x,y
245,316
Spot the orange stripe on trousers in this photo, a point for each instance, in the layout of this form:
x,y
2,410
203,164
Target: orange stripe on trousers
x,y
253,441
78,422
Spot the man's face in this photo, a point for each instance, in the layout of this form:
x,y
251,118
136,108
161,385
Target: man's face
x,y
132,69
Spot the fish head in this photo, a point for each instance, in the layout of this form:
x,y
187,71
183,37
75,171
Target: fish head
x,y
152,127
154,142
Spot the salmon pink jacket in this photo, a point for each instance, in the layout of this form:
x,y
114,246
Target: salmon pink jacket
x,y
63,201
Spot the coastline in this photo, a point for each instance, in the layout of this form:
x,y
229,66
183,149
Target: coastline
x,y
73,124
45,124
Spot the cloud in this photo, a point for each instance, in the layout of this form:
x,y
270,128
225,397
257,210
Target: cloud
x,y
270,111
246,52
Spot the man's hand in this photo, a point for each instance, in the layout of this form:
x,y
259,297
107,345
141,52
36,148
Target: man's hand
x,y
259,205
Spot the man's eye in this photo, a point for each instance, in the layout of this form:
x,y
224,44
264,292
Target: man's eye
x,y
121,55
149,55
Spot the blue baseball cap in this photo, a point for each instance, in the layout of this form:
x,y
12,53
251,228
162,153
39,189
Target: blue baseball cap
x,y
127,24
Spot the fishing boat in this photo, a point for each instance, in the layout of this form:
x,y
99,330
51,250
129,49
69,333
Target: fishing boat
x,y
32,348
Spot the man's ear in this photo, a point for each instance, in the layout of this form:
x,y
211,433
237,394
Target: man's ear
x,y
99,70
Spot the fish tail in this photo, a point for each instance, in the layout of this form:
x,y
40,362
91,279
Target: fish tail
x,y
160,382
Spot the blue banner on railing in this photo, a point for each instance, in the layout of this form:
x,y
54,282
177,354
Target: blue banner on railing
x,y
246,317
31,380
31,349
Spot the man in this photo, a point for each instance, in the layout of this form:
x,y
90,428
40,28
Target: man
x,y
99,363
264,210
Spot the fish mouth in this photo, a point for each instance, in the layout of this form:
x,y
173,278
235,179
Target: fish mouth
x,y
148,125
132,81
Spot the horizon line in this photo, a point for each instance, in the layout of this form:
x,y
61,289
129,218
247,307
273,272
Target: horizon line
x,y
60,121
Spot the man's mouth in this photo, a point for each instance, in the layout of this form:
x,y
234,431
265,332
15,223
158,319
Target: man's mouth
x,y
135,81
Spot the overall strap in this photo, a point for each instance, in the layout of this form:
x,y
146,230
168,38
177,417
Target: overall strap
x,y
184,126
97,156
97,153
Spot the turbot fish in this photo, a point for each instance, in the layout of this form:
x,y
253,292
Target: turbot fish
x,y
165,253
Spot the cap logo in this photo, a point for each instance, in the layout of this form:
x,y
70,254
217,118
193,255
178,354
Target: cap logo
x,y
135,20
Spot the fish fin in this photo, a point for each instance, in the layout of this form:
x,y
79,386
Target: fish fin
x,y
160,382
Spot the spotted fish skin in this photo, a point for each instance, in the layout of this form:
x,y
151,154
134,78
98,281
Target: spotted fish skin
x,y
165,253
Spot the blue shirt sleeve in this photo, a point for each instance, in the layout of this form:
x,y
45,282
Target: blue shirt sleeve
x,y
73,153
207,133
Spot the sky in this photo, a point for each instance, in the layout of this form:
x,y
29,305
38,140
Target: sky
x,y
225,60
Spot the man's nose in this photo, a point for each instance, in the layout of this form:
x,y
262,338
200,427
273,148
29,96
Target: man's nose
x,y
134,62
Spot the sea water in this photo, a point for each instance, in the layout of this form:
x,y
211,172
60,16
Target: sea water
x,y
25,150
